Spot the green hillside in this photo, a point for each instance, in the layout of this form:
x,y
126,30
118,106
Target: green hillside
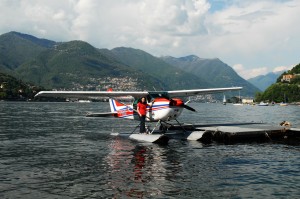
x,y
77,65
13,89
283,91
15,50
264,81
213,71
74,65
76,62
171,76
294,70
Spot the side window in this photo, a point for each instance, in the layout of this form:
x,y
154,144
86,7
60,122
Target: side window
x,y
149,98
155,94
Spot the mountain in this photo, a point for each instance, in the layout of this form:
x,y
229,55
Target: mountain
x,y
213,71
264,81
17,48
14,89
172,77
286,91
77,65
72,65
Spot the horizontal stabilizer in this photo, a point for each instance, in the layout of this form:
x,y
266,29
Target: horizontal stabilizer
x,y
107,114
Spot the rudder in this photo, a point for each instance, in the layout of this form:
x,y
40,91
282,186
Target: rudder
x,y
115,105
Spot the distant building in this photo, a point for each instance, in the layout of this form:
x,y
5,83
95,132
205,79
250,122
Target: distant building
x,y
287,78
3,84
247,101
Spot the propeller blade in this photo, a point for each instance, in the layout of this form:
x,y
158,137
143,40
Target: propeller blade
x,y
189,108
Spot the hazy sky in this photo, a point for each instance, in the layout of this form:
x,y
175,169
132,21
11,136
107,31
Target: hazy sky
x,y
252,36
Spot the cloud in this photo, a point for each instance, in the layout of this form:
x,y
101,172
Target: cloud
x,y
254,33
252,28
175,17
282,68
50,19
253,72
249,73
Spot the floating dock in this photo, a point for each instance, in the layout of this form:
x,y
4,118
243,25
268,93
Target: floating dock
x,y
231,133
228,133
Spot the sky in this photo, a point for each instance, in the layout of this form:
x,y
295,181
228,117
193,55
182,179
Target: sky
x,y
254,37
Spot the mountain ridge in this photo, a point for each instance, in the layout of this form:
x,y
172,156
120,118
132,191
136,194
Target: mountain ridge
x,y
145,62
264,81
283,91
79,65
213,70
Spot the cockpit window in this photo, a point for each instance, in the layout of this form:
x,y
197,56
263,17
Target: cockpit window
x,y
154,94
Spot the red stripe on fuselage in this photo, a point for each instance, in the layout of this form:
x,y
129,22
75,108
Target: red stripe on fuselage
x,y
118,103
161,99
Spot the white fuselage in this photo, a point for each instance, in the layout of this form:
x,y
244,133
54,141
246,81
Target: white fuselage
x,y
160,110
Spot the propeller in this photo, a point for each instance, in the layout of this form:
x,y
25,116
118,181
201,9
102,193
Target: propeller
x,y
189,108
179,103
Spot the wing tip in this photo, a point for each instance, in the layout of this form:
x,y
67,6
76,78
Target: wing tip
x,y
38,94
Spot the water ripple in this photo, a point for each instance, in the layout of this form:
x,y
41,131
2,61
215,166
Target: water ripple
x,y
50,150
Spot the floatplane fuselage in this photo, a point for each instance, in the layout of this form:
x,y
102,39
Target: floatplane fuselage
x,y
162,109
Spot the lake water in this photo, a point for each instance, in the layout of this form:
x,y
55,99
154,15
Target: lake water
x,y
50,150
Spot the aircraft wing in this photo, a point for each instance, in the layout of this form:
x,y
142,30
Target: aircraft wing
x,y
186,93
91,94
135,94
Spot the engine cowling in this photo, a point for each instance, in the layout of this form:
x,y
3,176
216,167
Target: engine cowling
x,y
176,102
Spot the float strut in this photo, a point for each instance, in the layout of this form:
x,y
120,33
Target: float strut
x,y
159,122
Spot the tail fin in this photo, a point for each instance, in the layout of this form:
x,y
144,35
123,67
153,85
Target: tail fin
x,y
116,105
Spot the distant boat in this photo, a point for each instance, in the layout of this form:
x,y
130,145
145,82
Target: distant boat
x,y
84,101
283,103
263,104
224,100
239,103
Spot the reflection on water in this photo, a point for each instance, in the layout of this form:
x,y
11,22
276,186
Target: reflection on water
x,y
50,150
137,167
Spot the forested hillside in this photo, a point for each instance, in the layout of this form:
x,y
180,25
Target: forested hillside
x,y
264,81
13,89
283,91
214,71
77,65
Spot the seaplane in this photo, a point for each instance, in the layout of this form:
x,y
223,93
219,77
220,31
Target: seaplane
x,y
165,106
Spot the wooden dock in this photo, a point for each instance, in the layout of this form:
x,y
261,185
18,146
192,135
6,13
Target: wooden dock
x,y
231,133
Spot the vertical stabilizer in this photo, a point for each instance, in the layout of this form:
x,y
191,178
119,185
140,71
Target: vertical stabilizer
x,y
115,105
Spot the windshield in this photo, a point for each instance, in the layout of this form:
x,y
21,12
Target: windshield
x,y
155,94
